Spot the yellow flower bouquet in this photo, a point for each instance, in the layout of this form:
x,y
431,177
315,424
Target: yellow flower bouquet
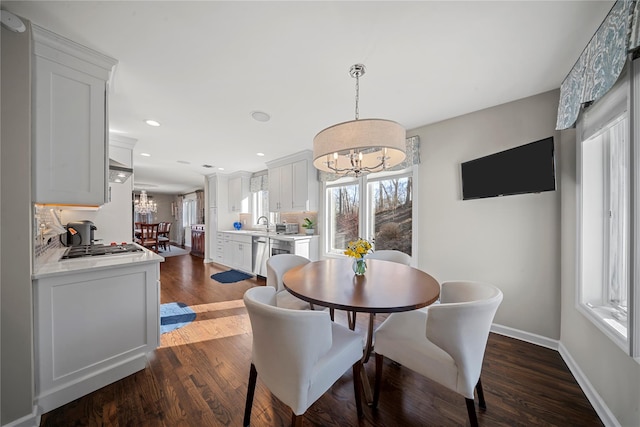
x,y
358,249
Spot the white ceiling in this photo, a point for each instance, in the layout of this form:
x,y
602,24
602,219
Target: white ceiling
x,y
200,68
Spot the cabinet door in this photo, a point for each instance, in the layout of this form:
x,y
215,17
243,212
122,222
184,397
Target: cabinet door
x,y
300,185
235,187
286,189
274,189
280,189
247,258
213,191
228,254
70,144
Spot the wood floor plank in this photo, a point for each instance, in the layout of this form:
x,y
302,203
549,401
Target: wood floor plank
x,y
198,377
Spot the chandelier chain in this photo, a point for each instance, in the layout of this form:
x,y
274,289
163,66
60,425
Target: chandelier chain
x,y
357,96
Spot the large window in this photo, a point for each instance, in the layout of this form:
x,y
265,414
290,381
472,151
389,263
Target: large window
x,y
605,224
189,212
608,168
376,207
390,212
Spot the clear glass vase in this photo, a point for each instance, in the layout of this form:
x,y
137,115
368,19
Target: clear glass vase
x,y
359,266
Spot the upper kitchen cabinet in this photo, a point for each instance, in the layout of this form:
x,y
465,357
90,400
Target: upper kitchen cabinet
x,y
212,184
69,105
293,185
239,192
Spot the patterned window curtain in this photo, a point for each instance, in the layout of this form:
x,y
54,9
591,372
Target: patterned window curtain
x,y
601,62
413,158
200,206
179,214
259,182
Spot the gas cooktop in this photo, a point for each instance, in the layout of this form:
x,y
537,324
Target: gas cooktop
x,y
98,250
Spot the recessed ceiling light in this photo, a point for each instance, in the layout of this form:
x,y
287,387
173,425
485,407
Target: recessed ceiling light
x,y
260,154
145,154
260,116
220,169
152,123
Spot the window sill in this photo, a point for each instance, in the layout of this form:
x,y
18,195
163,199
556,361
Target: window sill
x,y
604,318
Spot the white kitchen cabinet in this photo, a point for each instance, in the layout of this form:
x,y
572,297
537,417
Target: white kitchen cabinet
x,y
219,249
237,251
70,155
213,191
293,184
238,185
93,327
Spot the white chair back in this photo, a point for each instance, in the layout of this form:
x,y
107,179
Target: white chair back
x,y
286,346
460,325
277,265
390,255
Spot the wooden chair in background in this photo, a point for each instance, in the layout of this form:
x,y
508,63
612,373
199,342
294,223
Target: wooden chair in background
x,y
163,235
149,236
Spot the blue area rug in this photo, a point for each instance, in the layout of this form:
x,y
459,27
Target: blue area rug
x,y
175,315
230,276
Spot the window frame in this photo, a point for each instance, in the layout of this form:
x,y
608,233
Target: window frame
x,y
622,100
363,220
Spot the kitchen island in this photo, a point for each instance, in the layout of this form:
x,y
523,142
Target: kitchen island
x,y
95,320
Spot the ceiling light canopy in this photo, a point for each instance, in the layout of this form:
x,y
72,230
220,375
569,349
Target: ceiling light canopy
x,y
260,116
153,123
359,146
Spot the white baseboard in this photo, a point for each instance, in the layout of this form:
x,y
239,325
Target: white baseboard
x,y
606,416
31,420
525,336
601,408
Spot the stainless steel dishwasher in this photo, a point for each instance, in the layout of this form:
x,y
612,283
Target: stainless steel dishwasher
x,y
261,251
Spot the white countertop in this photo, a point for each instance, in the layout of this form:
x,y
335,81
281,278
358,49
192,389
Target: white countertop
x,y
271,234
53,266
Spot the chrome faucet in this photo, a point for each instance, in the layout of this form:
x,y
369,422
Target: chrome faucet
x,y
266,219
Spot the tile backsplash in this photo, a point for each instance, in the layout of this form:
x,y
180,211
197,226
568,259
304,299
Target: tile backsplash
x,y
291,217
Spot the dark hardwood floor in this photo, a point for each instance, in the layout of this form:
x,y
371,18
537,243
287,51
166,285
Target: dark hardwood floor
x,y
198,377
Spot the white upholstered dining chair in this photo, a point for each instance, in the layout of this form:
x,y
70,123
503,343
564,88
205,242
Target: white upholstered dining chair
x,y
277,265
299,354
445,343
390,255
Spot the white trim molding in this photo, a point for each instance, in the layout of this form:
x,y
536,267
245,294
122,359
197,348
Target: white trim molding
x,y
599,405
525,336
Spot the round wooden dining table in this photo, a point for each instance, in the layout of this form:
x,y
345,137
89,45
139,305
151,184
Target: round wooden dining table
x,y
386,287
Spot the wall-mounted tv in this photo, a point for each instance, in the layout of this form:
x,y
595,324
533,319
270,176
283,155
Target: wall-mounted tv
x,y
529,168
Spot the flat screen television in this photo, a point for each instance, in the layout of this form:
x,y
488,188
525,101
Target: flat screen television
x,y
529,168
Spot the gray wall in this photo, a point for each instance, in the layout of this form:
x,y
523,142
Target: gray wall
x,y
15,239
612,373
525,244
512,241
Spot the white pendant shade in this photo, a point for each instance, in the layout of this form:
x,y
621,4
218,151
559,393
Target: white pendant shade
x,y
359,146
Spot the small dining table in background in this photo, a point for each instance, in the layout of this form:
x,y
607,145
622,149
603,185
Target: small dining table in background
x,y
386,287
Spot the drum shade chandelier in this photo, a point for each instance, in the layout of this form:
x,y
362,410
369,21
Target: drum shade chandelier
x,y
144,205
359,146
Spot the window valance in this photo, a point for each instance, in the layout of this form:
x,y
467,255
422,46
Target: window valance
x,y
413,158
600,63
259,182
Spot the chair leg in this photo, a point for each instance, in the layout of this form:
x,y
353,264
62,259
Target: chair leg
x,y
357,387
376,389
471,409
253,376
481,403
296,420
